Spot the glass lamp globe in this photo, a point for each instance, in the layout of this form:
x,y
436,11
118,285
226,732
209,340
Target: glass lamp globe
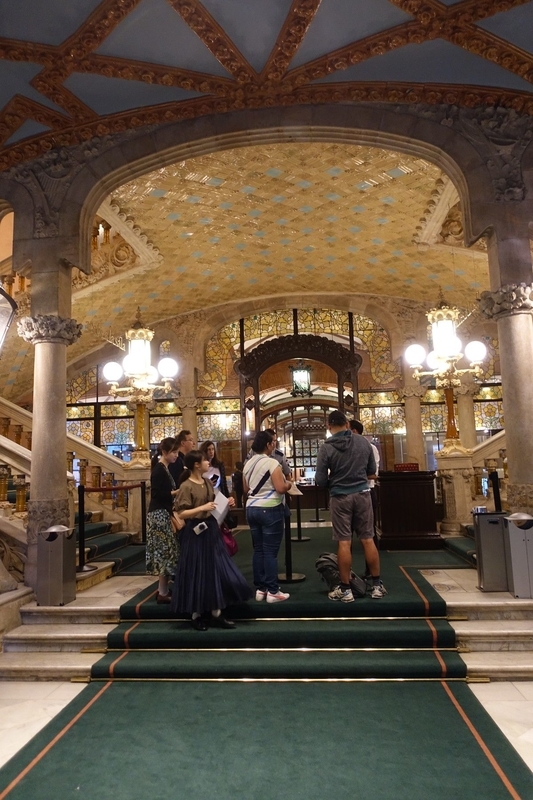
x,y
450,347
434,362
112,371
168,368
153,374
130,365
415,355
475,352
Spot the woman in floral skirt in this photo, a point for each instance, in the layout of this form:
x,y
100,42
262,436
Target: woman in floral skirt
x,y
161,542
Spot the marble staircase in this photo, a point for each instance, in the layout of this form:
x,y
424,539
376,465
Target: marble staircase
x,y
494,630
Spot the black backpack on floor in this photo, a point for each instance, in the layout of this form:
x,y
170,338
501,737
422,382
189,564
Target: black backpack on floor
x,y
328,568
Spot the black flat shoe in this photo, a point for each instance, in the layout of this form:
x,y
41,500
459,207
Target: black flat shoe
x,y
163,598
199,624
222,622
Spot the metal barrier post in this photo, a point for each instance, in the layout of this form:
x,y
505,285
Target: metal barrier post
x,y
82,566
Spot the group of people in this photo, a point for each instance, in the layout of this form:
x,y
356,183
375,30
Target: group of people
x,y
184,539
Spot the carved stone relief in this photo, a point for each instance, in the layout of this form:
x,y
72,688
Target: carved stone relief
x,y
514,298
49,328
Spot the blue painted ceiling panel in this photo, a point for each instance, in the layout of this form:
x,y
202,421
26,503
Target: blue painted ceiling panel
x,y
112,95
436,61
516,26
15,78
253,26
28,128
340,22
44,21
155,32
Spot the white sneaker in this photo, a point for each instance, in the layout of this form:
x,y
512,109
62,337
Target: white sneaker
x,y
279,597
260,595
344,595
378,591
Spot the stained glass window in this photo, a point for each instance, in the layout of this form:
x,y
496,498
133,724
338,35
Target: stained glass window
x,y
80,412
434,417
219,427
161,427
324,322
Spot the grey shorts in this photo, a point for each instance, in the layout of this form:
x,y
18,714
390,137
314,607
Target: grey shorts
x,y
352,514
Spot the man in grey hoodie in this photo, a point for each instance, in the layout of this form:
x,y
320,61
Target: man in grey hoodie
x,y
345,463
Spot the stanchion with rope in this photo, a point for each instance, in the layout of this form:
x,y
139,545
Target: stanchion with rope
x,y
289,576
295,492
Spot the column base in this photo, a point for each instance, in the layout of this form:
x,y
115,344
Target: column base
x,y
520,497
41,515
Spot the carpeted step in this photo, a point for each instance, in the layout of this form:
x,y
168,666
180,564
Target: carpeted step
x,y
124,558
98,546
262,634
462,546
94,529
131,665
87,516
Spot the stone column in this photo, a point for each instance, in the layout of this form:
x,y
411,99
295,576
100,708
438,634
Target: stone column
x,y
512,307
49,504
414,436
465,412
456,470
188,407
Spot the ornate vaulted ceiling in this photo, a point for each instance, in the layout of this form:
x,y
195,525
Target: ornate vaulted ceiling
x,y
273,219
69,71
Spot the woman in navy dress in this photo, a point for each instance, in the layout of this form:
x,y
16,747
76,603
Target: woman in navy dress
x,y
207,580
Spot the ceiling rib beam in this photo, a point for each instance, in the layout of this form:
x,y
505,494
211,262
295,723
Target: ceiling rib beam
x,y
290,37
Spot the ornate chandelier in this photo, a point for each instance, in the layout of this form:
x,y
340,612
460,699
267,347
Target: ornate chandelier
x,y
301,380
442,360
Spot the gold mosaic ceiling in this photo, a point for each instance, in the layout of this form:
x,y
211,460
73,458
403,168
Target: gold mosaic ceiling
x,y
269,220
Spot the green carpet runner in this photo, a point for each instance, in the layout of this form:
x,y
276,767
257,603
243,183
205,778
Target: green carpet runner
x,y
150,740
403,636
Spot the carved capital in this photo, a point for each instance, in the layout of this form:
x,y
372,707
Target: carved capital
x,y
469,389
49,328
412,391
520,497
513,298
187,402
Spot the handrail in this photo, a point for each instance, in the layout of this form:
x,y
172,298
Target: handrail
x,y
82,491
83,449
490,448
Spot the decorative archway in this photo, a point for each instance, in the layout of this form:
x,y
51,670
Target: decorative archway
x,y
345,363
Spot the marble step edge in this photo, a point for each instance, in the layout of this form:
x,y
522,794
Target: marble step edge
x,y
42,616
47,666
56,638
509,608
494,635
500,665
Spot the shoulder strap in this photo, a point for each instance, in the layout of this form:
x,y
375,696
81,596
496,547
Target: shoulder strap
x,y
261,483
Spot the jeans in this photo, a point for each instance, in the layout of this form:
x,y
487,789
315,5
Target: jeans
x,y
266,527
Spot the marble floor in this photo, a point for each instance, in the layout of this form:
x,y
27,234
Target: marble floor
x,y
27,706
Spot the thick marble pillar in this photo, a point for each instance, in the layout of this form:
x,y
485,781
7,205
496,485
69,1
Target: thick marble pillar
x,y
465,412
414,435
512,307
49,503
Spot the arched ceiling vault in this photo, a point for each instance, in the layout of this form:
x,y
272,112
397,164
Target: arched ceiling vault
x,y
73,71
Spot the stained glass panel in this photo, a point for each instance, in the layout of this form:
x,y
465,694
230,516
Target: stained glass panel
x,y
219,427
115,410
82,428
117,431
434,417
161,427
489,415
82,385
80,412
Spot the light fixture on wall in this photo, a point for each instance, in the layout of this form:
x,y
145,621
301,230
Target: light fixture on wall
x,y
442,360
301,380
141,380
